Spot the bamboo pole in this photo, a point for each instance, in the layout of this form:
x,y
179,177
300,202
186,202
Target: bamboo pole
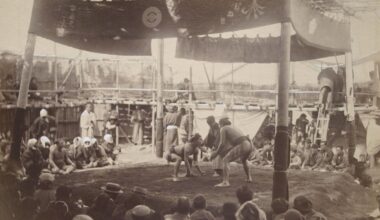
x,y
154,109
281,148
19,121
351,131
117,70
160,106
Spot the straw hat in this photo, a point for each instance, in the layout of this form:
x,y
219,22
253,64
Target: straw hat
x,y
112,188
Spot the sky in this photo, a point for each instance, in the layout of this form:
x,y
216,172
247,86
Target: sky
x,y
15,16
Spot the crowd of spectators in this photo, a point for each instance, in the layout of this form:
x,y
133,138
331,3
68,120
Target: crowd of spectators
x,y
46,201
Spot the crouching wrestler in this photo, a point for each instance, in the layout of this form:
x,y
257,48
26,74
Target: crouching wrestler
x,y
188,153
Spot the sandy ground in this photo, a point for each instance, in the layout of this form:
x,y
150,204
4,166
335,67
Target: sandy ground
x,y
334,194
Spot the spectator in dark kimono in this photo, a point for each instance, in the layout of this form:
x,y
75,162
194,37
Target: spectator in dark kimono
x,y
101,209
279,207
228,211
305,207
301,125
32,160
182,210
33,86
200,213
78,153
43,125
340,160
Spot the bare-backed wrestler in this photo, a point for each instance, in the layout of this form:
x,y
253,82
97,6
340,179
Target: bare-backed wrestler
x,y
233,145
187,152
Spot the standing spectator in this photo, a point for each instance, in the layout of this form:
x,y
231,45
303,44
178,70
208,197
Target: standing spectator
x,y
170,122
301,124
228,211
33,86
184,128
111,126
305,207
182,210
212,141
43,125
200,213
248,209
88,121
9,84
138,119
59,159
279,207
32,160
45,193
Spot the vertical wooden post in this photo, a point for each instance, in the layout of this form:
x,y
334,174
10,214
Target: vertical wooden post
x,y
19,121
281,148
233,93
154,109
213,82
55,72
190,103
351,133
160,106
118,97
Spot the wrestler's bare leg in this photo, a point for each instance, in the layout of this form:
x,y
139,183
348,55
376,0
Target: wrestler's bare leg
x,y
247,170
178,161
226,174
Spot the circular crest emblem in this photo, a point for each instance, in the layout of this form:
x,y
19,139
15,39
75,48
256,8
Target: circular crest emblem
x,y
152,17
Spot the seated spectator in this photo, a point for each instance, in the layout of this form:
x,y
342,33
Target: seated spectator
x,y
101,209
142,212
109,146
293,214
57,210
295,160
78,152
138,197
98,156
248,209
59,159
9,84
32,160
45,193
311,157
114,191
200,213
33,86
376,213
228,211
325,157
305,207
182,210
279,207
28,208
340,160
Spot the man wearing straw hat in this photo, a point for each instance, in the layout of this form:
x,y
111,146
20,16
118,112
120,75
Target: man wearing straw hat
x,y
233,145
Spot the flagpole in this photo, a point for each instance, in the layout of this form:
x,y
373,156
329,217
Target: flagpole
x,y
19,121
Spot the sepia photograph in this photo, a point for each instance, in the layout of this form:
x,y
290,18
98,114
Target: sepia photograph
x,y
190,109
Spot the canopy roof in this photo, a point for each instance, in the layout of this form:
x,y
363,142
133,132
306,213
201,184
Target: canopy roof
x,y
125,27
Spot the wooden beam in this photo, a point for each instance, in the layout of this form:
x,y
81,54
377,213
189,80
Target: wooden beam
x,y
160,106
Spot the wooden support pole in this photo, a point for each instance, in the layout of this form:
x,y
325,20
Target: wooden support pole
x,y
281,148
190,103
351,131
154,110
19,121
160,106
233,93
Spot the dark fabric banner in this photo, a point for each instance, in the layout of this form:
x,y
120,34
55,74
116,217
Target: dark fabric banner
x,y
213,16
247,50
117,27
